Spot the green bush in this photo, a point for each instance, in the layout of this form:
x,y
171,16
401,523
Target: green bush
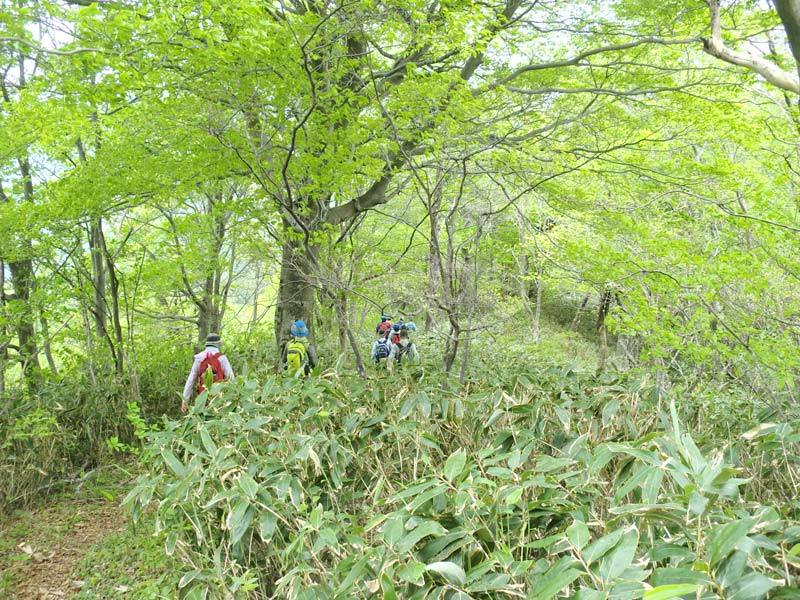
x,y
542,483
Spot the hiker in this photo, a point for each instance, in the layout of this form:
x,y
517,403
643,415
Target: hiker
x,y
300,354
403,352
385,324
395,338
210,358
381,347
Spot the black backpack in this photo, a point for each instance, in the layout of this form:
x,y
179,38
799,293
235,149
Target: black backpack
x,y
402,351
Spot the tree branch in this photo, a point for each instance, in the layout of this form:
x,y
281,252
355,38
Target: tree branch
x,y
32,45
571,62
768,70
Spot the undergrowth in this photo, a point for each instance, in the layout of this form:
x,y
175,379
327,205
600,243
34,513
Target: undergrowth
x,y
533,483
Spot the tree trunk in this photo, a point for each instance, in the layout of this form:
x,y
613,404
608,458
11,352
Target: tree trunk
x,y
3,331
46,345
789,12
434,266
22,280
537,310
100,308
295,292
578,312
606,300
340,305
451,345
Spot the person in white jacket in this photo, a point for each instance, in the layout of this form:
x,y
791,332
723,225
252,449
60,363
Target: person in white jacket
x,y
210,357
404,351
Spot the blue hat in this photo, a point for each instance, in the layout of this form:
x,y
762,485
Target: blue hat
x,y
299,329
411,326
384,318
396,326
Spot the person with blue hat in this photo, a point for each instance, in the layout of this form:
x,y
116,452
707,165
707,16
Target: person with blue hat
x,y
300,355
384,326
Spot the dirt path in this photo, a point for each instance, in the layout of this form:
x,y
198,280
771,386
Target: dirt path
x,y
40,550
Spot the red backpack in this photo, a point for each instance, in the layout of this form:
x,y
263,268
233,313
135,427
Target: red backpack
x,y
210,361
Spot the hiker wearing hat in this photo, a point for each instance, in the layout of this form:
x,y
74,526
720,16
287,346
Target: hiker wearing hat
x,y
404,352
384,326
210,364
300,356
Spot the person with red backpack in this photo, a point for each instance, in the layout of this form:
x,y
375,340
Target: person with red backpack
x,y
384,326
210,361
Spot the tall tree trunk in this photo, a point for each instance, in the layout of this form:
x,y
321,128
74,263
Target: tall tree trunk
x,y
295,291
340,304
452,343
3,330
346,332
537,309
789,12
46,345
578,312
22,280
259,282
100,308
434,257
119,355
606,300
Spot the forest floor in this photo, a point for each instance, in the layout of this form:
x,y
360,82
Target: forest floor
x,y
80,544
42,550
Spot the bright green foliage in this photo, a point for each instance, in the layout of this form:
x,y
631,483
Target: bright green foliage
x,y
333,490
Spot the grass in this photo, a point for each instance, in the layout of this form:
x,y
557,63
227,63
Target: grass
x,y
45,547
130,562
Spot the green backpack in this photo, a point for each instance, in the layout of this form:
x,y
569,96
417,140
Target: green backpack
x,y
296,356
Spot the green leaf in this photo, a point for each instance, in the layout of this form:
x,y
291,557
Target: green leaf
x,y
752,587
578,534
208,443
175,465
387,587
559,576
190,577
666,592
455,464
515,495
585,593
393,529
248,486
412,572
266,525
450,571
725,537
239,520
170,543
421,531
620,558
599,547
677,576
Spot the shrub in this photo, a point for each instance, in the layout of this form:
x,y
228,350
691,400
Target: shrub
x,y
544,483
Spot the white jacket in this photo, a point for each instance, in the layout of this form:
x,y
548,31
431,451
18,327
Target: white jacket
x,y
188,389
